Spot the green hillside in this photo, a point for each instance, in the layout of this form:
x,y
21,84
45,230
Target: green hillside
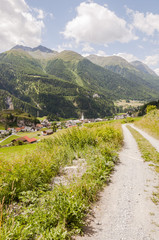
x,y
83,72
28,87
136,72
66,84
143,68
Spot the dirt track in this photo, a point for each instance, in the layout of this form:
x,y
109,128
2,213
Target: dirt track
x,y
125,210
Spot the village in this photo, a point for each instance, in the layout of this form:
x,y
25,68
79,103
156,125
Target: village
x,y
44,128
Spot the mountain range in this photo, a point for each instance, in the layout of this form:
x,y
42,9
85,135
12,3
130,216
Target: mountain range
x,y
40,80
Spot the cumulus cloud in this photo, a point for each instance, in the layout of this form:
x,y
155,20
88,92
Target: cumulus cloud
x,y
157,71
147,23
87,48
152,60
97,24
127,56
101,53
40,13
19,25
63,47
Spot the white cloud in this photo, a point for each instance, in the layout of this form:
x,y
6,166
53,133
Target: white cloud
x,y
152,60
157,71
64,46
87,48
101,53
147,23
127,56
19,25
97,24
40,13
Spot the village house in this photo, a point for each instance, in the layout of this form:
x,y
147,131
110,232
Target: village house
x,y
39,126
25,139
122,116
47,132
45,123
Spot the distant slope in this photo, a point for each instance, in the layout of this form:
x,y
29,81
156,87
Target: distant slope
x,y
139,75
68,84
6,99
24,78
21,62
143,68
74,68
28,49
108,61
39,52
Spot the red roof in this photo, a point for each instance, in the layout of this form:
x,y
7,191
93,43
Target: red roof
x,y
18,129
30,139
39,125
26,139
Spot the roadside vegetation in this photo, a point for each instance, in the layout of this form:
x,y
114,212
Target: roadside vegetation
x,y
150,122
149,154
32,206
8,140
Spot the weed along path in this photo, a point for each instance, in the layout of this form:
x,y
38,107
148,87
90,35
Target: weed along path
x,y
125,210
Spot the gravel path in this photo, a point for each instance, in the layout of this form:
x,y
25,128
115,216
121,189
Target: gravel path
x,y
154,142
125,210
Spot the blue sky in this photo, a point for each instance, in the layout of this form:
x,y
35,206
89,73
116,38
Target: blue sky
x,y
126,28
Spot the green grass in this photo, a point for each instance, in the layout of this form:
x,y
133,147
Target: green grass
x,y
36,135
150,123
42,118
2,127
30,134
8,140
12,153
43,212
149,153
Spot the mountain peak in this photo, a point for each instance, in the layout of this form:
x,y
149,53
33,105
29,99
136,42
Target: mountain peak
x,y
143,68
107,60
24,48
29,49
42,49
68,55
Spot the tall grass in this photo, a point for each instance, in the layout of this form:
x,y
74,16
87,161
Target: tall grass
x,y
149,153
150,123
33,210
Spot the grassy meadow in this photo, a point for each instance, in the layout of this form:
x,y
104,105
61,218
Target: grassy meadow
x,y
8,140
36,135
149,153
14,152
31,206
150,123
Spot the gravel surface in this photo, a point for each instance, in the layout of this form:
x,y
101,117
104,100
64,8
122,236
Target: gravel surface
x,y
125,210
154,142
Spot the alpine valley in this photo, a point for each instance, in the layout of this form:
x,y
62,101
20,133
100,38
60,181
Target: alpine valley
x,y
39,80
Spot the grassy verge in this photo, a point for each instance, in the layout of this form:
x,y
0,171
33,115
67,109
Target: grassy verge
x,y
150,123
31,208
8,140
149,153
